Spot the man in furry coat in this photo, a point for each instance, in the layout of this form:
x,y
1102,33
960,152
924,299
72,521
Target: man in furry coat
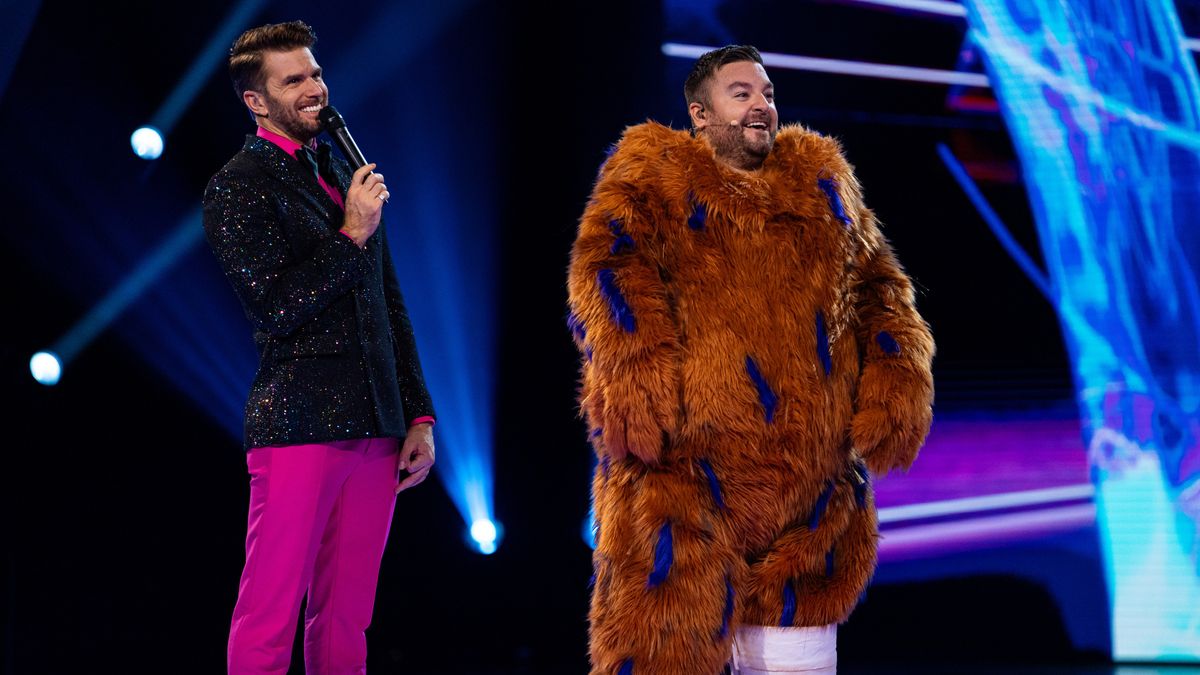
x,y
751,348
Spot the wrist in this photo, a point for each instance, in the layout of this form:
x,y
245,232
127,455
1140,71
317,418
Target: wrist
x,y
350,235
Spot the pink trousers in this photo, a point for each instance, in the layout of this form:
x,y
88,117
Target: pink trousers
x,y
318,523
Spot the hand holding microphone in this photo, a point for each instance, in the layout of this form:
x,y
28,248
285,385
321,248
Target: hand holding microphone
x,y
367,193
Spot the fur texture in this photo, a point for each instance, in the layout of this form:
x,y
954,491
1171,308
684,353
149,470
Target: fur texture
x,y
782,286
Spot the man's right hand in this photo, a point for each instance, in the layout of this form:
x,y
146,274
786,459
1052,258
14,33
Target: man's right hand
x,y
364,204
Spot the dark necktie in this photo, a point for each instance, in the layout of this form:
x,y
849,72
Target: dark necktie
x,y
319,163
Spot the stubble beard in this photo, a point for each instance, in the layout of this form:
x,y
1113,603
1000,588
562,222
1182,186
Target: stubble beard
x,y
288,119
730,146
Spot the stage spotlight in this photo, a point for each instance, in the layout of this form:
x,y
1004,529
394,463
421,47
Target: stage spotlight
x,y
147,143
486,534
46,368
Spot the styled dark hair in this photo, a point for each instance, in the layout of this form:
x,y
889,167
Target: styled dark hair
x,y
246,56
695,88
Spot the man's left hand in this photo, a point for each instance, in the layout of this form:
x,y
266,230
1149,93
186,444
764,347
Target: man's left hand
x,y
416,456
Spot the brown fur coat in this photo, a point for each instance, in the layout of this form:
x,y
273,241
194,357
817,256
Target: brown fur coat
x,y
749,341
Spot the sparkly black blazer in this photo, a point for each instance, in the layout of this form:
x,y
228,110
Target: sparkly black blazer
x,y
337,358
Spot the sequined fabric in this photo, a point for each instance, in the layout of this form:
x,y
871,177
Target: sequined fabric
x,y
337,357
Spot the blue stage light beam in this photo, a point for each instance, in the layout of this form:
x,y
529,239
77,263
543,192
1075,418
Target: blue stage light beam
x,y
588,531
128,290
1018,254
193,80
442,257
16,19
444,246
192,329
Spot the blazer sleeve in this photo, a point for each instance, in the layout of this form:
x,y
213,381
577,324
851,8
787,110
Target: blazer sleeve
x,y
415,395
894,407
278,291
622,320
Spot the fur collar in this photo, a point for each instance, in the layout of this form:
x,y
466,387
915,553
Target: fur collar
x,y
652,158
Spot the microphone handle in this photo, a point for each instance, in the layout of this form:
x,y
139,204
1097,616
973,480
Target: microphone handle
x,y
349,148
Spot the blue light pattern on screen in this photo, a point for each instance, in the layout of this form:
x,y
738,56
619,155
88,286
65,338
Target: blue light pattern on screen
x,y
1101,101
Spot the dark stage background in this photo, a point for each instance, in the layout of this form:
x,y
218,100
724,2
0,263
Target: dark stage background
x,y
125,491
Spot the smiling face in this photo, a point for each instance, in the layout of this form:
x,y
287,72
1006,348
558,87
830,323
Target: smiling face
x,y
293,93
739,118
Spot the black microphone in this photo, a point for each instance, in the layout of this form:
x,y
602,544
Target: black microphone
x,y
335,126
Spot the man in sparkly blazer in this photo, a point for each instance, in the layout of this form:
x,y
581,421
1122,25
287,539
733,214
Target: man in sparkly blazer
x,y
750,348
338,419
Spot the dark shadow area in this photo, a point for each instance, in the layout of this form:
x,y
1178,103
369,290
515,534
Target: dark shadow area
x,y
986,619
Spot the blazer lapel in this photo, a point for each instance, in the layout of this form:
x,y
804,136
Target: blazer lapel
x,y
288,171
342,169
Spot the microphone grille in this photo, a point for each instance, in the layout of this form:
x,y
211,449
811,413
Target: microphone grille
x,y
331,118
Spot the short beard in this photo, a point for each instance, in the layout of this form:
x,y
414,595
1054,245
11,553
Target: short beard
x,y
289,121
729,144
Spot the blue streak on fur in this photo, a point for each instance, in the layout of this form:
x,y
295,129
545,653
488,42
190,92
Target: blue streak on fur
x,y
887,343
597,432
829,186
765,395
626,668
620,309
728,614
622,243
713,483
699,217
829,563
862,484
576,326
823,344
664,555
587,351
598,564
819,509
789,605
622,240
604,464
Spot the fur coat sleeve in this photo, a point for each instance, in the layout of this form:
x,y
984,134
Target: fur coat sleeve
x,y
894,403
618,298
